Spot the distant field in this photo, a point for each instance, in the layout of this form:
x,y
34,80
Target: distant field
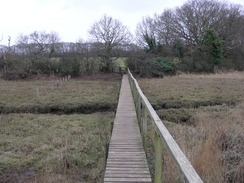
x,y
205,115
82,96
53,148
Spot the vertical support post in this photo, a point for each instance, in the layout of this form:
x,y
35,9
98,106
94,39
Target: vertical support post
x,y
158,158
134,86
52,85
134,92
37,92
144,127
139,110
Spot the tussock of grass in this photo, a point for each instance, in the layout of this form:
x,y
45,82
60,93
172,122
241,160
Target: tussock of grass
x,y
75,96
176,115
187,115
53,148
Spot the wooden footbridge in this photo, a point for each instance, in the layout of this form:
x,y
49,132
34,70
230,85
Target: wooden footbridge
x,y
126,162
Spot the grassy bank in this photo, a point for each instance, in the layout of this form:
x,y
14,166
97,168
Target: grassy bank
x,y
53,148
74,96
205,115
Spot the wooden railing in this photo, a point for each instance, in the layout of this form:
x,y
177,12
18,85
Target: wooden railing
x,y
162,137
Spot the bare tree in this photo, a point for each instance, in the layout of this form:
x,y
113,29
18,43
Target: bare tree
x,y
38,44
5,56
87,55
164,27
109,33
38,48
196,15
145,33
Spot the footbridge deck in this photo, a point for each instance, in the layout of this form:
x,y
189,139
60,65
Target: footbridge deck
x,y
126,157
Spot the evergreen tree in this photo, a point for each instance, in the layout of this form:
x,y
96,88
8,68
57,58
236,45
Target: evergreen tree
x,y
211,49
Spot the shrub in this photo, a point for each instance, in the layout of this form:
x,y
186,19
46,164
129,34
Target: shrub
x,y
165,66
70,65
146,64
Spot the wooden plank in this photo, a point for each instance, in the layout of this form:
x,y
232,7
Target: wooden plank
x,y
127,147
127,163
131,169
131,179
128,171
126,160
121,157
126,175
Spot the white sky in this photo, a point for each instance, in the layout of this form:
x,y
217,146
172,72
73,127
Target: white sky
x,y
73,18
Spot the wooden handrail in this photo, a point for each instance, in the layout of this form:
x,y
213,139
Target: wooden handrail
x,y
162,137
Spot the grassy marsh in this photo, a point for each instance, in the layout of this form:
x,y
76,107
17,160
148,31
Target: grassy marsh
x,y
53,148
191,91
81,96
205,115
57,147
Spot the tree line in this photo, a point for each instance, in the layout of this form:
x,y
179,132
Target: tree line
x,y
199,36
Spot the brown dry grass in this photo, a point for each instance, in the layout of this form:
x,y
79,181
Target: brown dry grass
x,y
215,144
214,140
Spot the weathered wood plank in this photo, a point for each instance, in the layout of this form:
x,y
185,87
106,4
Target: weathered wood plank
x,y
129,164
126,179
126,175
124,158
126,169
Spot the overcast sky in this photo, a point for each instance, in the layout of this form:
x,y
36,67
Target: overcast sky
x,y
73,18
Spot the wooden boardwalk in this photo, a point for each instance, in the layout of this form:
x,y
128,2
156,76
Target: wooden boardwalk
x,y
126,157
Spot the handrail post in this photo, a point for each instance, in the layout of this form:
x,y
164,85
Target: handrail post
x,y
144,127
158,158
133,90
139,110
